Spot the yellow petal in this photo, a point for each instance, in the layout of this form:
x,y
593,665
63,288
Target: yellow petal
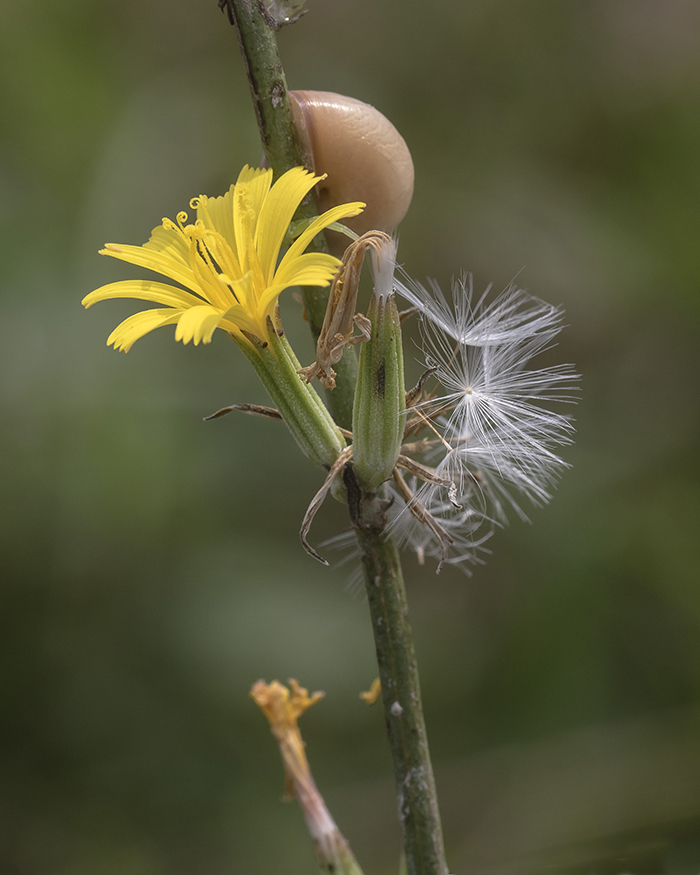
x,y
220,211
249,195
249,174
165,253
239,319
237,323
130,330
258,182
143,290
198,324
277,212
169,241
244,290
342,211
310,269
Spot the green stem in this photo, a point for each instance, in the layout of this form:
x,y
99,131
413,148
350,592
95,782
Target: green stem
x,y
418,810
398,672
302,410
268,88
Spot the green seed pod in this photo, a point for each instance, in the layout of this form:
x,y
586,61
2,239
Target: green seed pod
x,y
377,418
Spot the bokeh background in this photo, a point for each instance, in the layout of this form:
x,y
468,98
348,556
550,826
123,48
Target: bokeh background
x,y
151,569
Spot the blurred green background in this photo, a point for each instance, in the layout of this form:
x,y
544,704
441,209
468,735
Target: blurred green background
x,y
151,569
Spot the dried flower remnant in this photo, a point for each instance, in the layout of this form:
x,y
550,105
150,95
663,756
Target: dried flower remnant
x,y
371,696
283,706
341,317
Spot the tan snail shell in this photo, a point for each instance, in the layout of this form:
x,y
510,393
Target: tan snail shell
x,y
365,157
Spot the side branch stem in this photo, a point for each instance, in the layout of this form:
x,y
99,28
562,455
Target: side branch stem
x,y
268,89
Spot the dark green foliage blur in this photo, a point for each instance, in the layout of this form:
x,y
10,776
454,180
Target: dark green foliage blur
x,y
151,569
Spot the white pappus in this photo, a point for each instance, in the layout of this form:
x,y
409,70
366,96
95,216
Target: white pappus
x,y
484,436
494,435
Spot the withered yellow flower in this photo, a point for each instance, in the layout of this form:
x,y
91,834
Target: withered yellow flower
x,y
283,709
283,706
226,260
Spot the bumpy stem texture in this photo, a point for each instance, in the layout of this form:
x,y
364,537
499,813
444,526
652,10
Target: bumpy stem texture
x,y
398,672
268,88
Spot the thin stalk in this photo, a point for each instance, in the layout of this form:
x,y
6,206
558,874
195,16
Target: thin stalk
x,y
268,88
398,671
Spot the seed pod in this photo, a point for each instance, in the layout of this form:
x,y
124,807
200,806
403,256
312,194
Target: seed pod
x,y
377,419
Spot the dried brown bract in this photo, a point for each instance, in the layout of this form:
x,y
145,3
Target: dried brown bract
x,y
339,323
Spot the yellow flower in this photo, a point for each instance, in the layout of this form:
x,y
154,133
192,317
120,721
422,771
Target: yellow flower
x,y
227,261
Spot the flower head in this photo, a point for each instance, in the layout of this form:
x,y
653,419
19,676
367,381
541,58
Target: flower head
x,y
226,260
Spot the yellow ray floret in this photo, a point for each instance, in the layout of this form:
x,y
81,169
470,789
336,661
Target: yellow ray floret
x,y
226,260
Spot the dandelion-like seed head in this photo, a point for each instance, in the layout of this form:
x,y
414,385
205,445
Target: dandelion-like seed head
x,y
483,437
495,435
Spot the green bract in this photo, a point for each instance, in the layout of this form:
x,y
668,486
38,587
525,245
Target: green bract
x,y
380,397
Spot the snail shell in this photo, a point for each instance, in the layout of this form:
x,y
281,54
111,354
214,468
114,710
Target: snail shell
x,y
365,157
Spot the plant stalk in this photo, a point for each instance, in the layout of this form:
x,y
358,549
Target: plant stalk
x,y
268,89
398,671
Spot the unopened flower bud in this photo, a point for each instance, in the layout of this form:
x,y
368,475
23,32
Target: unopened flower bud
x,y
377,421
